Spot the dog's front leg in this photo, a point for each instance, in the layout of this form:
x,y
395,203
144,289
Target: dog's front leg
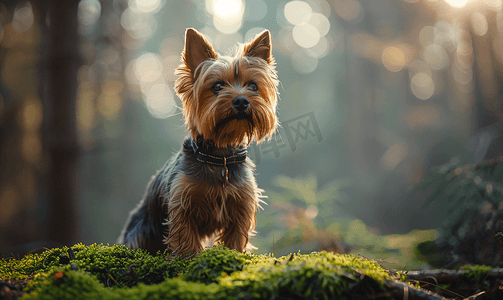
x,y
237,230
235,236
183,237
183,234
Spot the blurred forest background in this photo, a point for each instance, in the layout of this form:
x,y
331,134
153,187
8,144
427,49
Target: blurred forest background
x,y
374,94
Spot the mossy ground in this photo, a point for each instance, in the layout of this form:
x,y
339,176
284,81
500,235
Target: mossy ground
x,y
115,272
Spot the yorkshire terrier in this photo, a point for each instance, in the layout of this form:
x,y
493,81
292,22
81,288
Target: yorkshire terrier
x,y
208,189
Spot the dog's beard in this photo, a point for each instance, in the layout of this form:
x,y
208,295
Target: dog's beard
x,y
240,116
237,128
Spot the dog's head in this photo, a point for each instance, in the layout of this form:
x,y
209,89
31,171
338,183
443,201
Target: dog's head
x,y
228,100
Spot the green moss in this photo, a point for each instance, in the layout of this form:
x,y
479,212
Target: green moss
x,y
213,263
32,263
115,272
125,267
475,274
64,283
315,276
115,265
171,289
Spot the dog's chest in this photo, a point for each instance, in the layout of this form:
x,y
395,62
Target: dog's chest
x,y
210,206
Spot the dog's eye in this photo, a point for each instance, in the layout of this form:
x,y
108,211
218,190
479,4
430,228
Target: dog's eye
x,y
253,86
217,87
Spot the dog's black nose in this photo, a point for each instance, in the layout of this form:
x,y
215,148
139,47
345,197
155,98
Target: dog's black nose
x,y
240,103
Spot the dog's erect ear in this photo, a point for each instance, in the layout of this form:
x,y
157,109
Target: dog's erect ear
x,y
197,49
260,47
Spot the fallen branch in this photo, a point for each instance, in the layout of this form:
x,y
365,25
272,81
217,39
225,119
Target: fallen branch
x,y
402,290
446,276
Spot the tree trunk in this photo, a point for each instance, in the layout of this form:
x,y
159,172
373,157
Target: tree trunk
x,y
60,64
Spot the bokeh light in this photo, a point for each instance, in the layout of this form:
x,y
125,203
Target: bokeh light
x,y
321,23
464,53
422,86
160,101
309,27
297,12
419,66
32,114
446,35
145,6
320,6
393,59
109,100
145,75
350,10
394,155
22,20
457,3
228,10
306,35
321,49
461,74
170,63
148,67
311,212
139,26
89,12
427,35
479,24
227,27
227,14
436,57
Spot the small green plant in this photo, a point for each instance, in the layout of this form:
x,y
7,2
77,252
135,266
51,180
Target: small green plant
x,y
476,273
473,194
297,217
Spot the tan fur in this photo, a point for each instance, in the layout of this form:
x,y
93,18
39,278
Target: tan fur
x,y
197,210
